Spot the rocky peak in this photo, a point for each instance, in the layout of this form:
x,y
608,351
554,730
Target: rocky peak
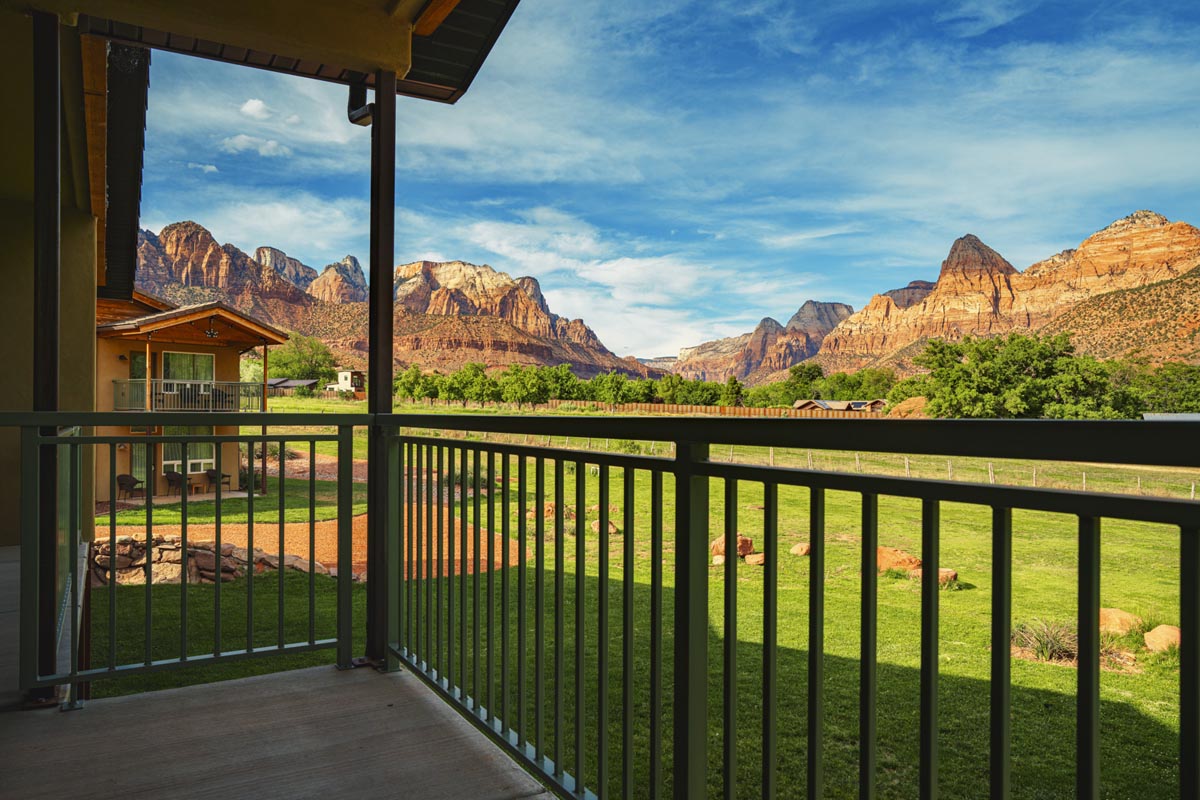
x,y
817,318
342,282
970,255
910,295
531,287
1138,220
300,274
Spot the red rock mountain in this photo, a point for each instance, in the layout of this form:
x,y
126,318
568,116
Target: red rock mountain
x,y
769,348
290,268
343,282
979,293
446,313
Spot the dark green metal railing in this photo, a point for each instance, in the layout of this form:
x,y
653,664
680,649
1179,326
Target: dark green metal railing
x,y
74,441
577,762
457,627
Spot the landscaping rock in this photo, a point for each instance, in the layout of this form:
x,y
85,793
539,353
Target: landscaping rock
x,y
1164,637
754,507
945,575
718,560
745,545
612,527
891,558
1114,620
757,559
802,549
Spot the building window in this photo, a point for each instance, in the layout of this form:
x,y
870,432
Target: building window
x,y
189,367
201,456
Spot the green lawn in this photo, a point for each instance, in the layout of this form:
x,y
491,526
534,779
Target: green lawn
x,y
1140,705
236,509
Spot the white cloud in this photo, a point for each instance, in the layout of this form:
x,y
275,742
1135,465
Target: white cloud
x,y
255,109
976,17
293,119
268,148
205,168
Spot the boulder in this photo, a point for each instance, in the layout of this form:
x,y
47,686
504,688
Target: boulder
x,y
745,545
718,560
1164,637
945,575
757,559
204,560
891,558
612,527
1114,620
802,549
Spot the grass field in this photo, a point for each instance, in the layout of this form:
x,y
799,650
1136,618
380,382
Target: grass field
x,y
1139,718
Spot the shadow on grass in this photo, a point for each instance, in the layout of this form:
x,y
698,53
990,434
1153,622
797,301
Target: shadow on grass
x,y
1138,753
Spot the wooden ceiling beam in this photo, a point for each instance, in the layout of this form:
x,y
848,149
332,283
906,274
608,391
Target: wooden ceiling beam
x,y
433,15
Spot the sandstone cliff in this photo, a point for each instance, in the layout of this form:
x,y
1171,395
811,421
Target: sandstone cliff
x,y
769,348
291,269
343,282
979,293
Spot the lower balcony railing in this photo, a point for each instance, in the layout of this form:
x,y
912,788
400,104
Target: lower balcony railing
x,y
566,603
173,395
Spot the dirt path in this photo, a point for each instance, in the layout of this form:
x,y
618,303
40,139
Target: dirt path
x,y
296,542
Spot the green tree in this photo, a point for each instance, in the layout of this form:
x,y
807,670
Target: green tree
x,y
250,370
800,383
732,392
667,387
563,384
611,387
408,383
522,385
303,358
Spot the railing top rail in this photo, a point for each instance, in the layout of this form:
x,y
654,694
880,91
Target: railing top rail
x,y
1158,443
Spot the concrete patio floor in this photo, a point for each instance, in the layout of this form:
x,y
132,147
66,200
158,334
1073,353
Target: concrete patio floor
x,y
314,732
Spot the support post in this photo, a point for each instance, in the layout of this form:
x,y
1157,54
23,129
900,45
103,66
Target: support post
x,y
691,622
47,243
149,371
263,408
379,375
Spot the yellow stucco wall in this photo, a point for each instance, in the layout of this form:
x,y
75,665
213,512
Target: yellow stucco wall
x,y
77,331
109,367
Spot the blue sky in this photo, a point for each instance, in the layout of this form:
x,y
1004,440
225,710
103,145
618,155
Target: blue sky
x,y
673,172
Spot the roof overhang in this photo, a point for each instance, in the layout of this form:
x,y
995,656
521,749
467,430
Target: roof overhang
x,y
435,47
189,325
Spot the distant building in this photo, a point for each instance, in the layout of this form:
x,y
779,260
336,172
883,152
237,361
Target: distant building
x,y
866,406
349,380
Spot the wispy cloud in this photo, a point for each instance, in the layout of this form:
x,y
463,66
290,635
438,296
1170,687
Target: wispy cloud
x,y
241,143
207,169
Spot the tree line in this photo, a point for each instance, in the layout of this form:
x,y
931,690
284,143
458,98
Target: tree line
x,y
1018,375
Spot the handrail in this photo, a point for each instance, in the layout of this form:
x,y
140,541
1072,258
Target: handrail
x,y
1157,443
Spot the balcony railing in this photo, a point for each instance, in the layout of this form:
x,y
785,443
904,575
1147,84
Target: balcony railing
x,y
172,395
560,599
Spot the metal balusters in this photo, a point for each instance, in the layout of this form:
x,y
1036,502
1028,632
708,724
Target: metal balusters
x,y
393,597
463,572
930,535
431,644
730,636
418,567
539,604
559,597
1087,724
602,646
1001,669
816,643
580,614
441,564
629,478
656,632
506,532
281,486
491,586
112,562
345,545
522,530
1189,663
454,569
867,691
770,638
149,495
312,537
74,525
183,558
475,654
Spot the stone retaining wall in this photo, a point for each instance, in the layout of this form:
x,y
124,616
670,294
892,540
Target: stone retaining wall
x,y
166,562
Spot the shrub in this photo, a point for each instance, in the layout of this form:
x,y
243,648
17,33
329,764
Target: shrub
x,y
626,446
345,394
1047,640
304,391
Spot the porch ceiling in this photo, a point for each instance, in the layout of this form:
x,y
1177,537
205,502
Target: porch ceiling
x,y
435,47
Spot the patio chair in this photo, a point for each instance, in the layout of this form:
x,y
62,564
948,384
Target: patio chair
x,y
127,485
176,482
214,479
